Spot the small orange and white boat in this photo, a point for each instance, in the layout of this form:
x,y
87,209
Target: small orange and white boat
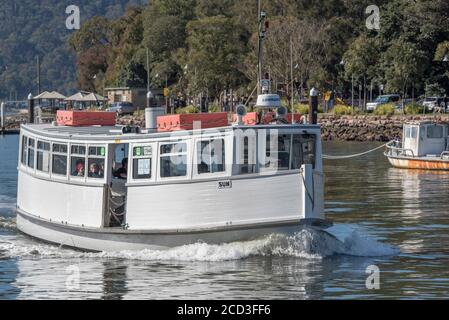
x,y
425,145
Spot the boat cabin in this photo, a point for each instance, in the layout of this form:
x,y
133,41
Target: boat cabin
x,y
422,139
106,177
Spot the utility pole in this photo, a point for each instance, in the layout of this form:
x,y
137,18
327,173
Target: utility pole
x,y
352,93
262,30
148,69
166,92
38,75
291,74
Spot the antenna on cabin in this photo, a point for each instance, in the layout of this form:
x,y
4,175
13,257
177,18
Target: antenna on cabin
x,y
241,112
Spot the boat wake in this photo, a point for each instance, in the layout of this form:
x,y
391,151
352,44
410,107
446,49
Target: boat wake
x,y
8,223
306,244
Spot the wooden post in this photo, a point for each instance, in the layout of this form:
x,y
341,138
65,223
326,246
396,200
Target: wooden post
x,y
2,116
313,106
30,109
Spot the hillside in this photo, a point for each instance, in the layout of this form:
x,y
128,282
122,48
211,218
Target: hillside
x,y
29,28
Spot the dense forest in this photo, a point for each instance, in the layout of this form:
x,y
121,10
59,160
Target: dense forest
x,y
29,28
207,46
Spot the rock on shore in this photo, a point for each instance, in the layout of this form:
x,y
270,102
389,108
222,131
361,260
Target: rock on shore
x,y
368,127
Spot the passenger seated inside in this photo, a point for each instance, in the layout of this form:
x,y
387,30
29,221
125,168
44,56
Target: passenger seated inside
x,y
79,169
94,171
122,173
203,168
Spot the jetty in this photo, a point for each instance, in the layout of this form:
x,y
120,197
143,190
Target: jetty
x,y
9,131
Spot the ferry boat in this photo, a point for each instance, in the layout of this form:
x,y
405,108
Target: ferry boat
x,y
93,185
425,145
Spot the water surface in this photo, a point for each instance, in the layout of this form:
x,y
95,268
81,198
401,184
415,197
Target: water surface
x,y
395,219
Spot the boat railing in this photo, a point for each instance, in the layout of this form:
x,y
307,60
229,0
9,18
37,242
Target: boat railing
x,y
444,154
394,148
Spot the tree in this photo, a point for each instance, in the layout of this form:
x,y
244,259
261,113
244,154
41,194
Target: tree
x,y
361,61
214,54
309,43
211,8
403,63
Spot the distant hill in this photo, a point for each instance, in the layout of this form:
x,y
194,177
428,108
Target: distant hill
x,y
29,28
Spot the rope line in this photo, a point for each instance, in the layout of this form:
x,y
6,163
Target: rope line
x,y
332,157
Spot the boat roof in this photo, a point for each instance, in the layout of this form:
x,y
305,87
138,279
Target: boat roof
x,y
112,133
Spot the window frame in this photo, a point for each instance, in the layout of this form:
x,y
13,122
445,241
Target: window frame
x,y
33,148
263,149
289,137
78,155
41,172
210,139
252,153
432,128
24,151
153,162
187,153
104,158
58,176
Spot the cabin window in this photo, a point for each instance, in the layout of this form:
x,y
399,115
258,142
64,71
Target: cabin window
x,y
211,156
278,151
96,162
30,161
173,158
245,157
59,159
142,157
435,132
43,156
411,132
289,151
78,161
24,150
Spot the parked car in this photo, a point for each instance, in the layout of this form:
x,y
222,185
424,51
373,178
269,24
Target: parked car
x,y
385,99
122,108
434,103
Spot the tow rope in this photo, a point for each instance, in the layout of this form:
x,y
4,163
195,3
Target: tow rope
x,y
334,157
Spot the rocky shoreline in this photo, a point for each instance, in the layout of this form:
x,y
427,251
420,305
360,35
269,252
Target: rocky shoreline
x,y
360,128
364,128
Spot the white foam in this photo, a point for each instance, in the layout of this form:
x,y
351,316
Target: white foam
x,y
306,244
7,223
357,242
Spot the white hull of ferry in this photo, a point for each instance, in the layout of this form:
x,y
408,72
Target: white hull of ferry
x,y
165,216
162,212
121,240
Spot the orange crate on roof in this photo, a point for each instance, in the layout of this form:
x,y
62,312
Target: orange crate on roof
x,y
85,118
178,122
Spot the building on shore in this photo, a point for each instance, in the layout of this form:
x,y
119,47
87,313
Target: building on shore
x,y
137,96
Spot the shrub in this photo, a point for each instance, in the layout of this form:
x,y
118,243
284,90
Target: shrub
x,y
384,110
214,108
342,110
304,108
414,108
188,109
301,108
